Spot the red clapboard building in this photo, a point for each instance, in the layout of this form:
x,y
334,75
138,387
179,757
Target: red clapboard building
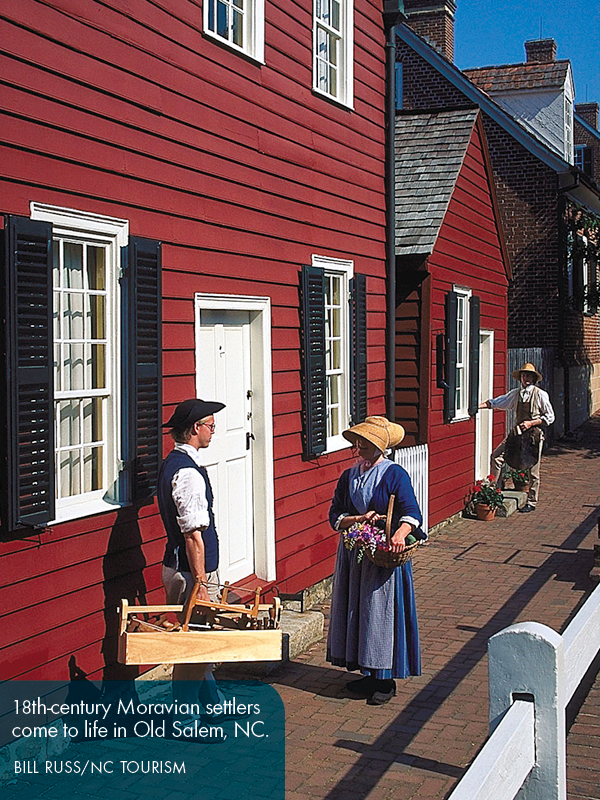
x,y
452,316
193,200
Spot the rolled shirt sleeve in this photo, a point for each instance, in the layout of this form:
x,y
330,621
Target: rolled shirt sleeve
x,y
189,495
546,410
505,401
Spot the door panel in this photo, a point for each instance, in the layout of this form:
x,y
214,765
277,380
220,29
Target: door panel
x,y
225,375
484,419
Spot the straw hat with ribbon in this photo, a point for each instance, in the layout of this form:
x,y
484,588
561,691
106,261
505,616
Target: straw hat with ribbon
x,y
527,368
377,430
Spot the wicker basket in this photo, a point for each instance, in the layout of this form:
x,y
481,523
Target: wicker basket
x,y
384,558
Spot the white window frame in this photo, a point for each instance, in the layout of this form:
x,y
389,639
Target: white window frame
x,y
569,153
112,234
344,38
253,27
344,270
461,410
585,277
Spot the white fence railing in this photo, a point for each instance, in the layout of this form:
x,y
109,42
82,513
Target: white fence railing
x,y
533,673
415,461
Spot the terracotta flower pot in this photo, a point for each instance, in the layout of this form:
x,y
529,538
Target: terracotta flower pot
x,y
484,512
521,487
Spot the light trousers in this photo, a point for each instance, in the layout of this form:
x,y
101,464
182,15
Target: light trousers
x,y
178,587
497,462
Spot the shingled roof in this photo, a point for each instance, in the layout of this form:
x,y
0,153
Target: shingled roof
x,y
515,77
430,150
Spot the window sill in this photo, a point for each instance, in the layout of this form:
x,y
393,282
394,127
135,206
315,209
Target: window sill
x,y
85,509
347,104
335,444
463,418
233,48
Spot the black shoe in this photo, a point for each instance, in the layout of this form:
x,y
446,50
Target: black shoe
x,y
526,509
364,686
383,693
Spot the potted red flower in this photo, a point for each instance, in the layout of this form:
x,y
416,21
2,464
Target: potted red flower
x,y
485,499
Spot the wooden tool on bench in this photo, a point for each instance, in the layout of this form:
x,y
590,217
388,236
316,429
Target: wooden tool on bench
x,y
229,631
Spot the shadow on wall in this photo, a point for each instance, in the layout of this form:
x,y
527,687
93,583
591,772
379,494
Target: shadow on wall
x,y
123,569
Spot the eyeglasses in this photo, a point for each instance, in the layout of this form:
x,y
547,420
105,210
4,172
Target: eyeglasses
x,y
210,425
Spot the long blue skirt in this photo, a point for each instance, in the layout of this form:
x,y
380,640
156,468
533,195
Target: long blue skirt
x,y
373,625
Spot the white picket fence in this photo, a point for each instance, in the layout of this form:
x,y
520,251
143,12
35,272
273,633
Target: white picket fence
x,y
415,461
533,673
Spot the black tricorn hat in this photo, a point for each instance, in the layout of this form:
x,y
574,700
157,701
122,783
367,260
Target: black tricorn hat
x,y
191,411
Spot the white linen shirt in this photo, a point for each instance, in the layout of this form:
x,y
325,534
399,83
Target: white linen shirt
x,y
188,489
510,400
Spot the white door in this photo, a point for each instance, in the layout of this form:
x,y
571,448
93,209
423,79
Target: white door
x,y
483,421
224,374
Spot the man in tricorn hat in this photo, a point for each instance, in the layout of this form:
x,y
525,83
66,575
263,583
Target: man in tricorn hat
x,y
185,501
532,408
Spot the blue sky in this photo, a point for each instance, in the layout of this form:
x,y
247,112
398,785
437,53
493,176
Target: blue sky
x,y
494,31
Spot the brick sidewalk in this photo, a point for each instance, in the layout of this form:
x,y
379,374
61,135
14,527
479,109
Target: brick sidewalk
x,y
473,579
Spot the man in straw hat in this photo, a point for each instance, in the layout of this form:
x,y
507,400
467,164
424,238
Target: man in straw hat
x,y
532,409
185,501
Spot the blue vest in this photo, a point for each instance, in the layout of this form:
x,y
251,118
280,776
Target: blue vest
x,y
175,553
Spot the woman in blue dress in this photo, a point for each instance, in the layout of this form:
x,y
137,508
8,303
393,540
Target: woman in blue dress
x,y
373,626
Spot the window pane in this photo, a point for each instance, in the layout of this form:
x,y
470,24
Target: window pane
x,y
73,316
56,263
96,366
237,28
68,422
92,469
73,255
95,317
211,14
336,359
222,20
96,267
70,477
92,420
336,321
73,367
57,369
335,15
335,421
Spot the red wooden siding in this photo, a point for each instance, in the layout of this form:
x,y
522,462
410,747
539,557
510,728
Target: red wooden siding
x,y
243,173
408,374
468,254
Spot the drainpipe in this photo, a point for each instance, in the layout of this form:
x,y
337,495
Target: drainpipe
x,y
393,13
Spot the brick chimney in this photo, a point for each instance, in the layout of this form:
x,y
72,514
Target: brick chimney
x,y
589,112
542,51
434,21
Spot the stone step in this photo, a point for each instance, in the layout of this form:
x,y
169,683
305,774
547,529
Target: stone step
x,y
512,502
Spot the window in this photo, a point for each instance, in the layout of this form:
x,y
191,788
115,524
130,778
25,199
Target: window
x,y
86,360
334,353
568,130
462,353
81,432
333,46
237,23
583,159
461,367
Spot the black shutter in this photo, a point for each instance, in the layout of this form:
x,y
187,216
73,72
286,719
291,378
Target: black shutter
x,y
314,428
358,291
142,378
474,313
450,363
27,479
